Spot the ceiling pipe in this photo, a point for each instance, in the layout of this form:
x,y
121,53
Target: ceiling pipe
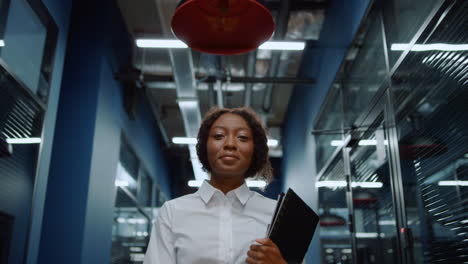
x,y
250,71
210,94
219,94
164,80
281,28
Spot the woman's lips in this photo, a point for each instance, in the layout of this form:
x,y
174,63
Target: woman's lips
x,y
229,158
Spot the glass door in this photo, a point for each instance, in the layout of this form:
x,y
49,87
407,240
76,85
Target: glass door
x,y
372,199
335,234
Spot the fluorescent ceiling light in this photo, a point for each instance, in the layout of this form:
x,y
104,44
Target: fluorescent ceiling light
x,y
364,142
195,183
367,142
177,44
282,45
250,183
188,103
184,140
331,184
453,183
121,183
337,143
2,43
123,178
367,184
189,141
136,249
336,184
272,143
23,140
258,184
161,43
366,235
136,221
428,47
387,222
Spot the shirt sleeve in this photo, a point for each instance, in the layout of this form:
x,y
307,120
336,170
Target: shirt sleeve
x,y
161,245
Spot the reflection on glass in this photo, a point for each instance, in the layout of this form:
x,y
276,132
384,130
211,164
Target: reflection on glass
x,y
431,99
364,69
124,179
130,235
19,116
328,128
26,36
402,20
374,216
333,210
145,189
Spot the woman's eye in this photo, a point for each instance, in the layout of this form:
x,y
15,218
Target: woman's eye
x,y
218,136
243,138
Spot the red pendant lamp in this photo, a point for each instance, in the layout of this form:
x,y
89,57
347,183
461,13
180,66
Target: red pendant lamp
x,y
222,27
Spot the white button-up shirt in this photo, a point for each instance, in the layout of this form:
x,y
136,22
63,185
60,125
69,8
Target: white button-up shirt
x,y
209,227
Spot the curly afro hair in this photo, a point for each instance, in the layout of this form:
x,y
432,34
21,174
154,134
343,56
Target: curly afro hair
x,y
260,166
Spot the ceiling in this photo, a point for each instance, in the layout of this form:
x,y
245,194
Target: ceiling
x,y
298,21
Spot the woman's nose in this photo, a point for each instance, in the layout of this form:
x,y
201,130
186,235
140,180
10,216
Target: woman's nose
x,y
230,142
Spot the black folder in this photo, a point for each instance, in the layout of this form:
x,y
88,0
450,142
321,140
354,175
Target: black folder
x,y
292,227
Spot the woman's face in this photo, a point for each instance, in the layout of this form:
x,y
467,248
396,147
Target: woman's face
x,y
230,146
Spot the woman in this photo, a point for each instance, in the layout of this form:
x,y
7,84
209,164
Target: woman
x,y
223,222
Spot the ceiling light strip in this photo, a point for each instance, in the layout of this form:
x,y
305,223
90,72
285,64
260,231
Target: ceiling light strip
x,y
23,140
429,47
193,141
161,43
453,183
177,44
336,184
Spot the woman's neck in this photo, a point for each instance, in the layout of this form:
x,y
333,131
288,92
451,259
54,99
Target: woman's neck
x,y
226,184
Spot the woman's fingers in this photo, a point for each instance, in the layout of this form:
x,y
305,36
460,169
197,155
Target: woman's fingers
x,y
267,252
250,260
266,242
255,254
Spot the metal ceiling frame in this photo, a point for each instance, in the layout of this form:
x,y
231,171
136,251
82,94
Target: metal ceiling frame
x,y
153,78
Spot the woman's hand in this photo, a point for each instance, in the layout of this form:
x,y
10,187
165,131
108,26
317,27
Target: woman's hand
x,y
266,253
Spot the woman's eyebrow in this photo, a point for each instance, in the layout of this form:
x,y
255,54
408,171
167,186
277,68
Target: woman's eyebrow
x,y
237,128
220,127
243,128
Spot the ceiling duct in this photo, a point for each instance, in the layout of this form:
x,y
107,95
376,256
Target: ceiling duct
x,y
281,28
184,77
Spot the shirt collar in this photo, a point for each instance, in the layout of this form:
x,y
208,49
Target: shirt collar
x,y
207,191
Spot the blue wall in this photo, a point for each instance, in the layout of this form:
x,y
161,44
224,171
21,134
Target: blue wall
x,y
80,198
60,11
321,61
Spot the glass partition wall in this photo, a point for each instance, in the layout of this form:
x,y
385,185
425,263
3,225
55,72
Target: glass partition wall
x,y
28,36
136,206
394,168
